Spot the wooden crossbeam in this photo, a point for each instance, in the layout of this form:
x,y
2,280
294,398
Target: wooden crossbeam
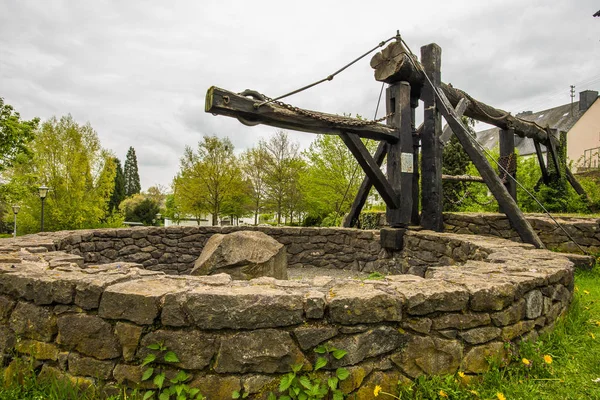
x,y
460,110
223,102
462,178
508,204
540,157
360,152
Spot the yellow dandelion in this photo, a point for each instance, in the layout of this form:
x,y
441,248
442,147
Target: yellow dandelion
x,y
548,359
598,323
500,396
377,390
474,392
586,291
443,394
526,361
592,335
461,374
576,289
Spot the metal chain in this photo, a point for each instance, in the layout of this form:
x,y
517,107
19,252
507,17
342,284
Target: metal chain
x,y
347,121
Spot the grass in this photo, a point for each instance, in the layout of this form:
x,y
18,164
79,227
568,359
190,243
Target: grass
x,y
574,347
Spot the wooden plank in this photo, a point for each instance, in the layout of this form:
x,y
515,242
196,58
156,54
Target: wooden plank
x,y
553,153
512,211
360,152
431,149
351,218
460,110
508,160
462,178
415,218
223,102
393,97
540,157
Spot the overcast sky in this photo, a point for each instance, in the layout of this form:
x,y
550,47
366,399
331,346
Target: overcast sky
x,y
138,71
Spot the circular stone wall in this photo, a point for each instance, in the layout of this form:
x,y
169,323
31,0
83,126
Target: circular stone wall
x,y
88,312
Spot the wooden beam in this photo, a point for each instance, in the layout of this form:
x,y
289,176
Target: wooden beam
x,y
400,154
508,160
415,218
223,102
540,157
512,211
364,189
462,178
553,153
393,65
360,152
431,148
460,110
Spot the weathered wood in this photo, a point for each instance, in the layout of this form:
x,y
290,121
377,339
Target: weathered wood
x,y
540,157
404,122
431,149
393,105
462,178
415,218
224,102
512,211
495,116
552,153
364,159
393,65
508,161
460,110
351,218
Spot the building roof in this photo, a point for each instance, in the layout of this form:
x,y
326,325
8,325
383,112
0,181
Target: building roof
x,y
597,14
562,118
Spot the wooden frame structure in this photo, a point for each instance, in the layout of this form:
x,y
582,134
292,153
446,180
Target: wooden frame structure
x,y
409,80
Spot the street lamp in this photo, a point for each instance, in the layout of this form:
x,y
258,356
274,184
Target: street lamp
x,y
43,193
158,217
15,209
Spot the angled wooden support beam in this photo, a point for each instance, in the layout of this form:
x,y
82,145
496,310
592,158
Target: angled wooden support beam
x,y
508,161
540,157
508,204
463,178
364,189
223,102
360,152
553,152
460,110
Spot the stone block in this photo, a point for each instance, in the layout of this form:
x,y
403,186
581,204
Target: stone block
x,y
534,304
356,303
429,355
392,238
512,331
429,295
258,351
33,322
478,359
89,366
460,320
38,350
510,315
89,335
480,335
138,300
236,307
216,387
129,338
194,349
6,307
372,343
309,336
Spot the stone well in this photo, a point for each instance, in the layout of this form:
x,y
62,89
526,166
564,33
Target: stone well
x,y
87,303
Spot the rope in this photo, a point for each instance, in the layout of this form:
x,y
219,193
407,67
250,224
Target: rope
x,y
507,174
329,77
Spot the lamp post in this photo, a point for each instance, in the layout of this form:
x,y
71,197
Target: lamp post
x,y
15,209
43,193
158,217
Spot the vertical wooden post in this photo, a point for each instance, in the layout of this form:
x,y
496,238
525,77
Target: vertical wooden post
x,y
431,149
508,160
416,193
399,157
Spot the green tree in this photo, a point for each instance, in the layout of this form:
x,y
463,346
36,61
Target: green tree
x,y
15,134
68,158
132,177
333,177
455,161
140,208
254,162
118,194
207,177
280,178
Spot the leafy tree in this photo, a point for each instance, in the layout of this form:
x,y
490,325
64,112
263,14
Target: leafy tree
x,y
157,193
455,161
118,194
333,177
207,178
132,177
15,134
280,178
140,208
68,158
254,163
